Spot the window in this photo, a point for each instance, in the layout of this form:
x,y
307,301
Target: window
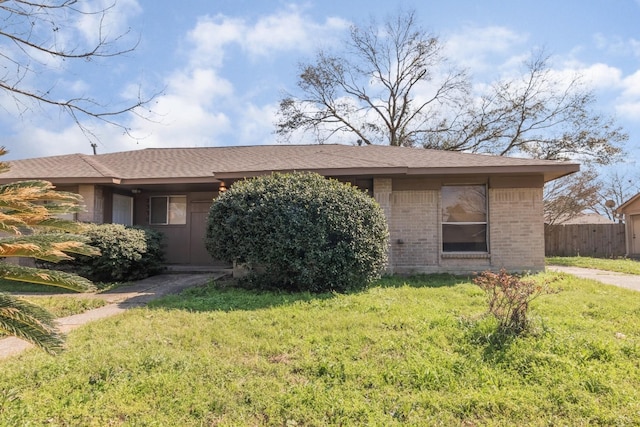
x,y
464,218
165,210
122,210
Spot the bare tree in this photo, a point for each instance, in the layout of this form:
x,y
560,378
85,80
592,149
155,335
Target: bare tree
x,y
537,114
369,92
616,187
392,85
36,36
566,198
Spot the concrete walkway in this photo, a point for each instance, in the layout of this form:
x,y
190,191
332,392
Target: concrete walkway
x,y
118,300
629,281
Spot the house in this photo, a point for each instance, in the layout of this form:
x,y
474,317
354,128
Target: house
x,y
447,211
630,210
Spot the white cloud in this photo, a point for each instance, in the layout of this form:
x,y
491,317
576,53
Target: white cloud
x,y
257,125
474,47
632,85
200,86
623,92
602,76
32,141
616,45
210,38
290,31
628,105
283,31
105,18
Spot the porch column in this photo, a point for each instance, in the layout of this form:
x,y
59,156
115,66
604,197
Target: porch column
x,y
94,203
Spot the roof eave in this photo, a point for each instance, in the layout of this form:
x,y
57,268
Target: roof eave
x,y
171,180
550,172
627,203
65,181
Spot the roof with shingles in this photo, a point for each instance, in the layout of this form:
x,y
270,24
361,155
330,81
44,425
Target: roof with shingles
x,y
180,163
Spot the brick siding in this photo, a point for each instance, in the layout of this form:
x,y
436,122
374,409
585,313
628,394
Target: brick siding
x,y
516,231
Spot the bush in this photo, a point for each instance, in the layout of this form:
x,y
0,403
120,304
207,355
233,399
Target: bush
x,y
307,233
127,253
509,296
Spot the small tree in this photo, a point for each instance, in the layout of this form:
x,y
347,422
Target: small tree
x,y
305,231
509,297
31,230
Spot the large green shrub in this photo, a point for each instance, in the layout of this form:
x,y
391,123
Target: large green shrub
x,y
127,253
305,232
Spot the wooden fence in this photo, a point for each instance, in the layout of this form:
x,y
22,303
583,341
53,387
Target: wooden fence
x,y
594,240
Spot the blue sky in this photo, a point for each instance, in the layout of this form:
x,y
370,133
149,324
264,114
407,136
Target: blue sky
x,y
223,65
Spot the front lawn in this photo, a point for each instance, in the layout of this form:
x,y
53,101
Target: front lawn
x,y
620,265
406,352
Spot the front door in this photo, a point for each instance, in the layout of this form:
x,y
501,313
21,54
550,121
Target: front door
x,y
198,254
198,230
635,234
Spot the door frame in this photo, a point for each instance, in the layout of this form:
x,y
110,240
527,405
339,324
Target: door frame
x,y
634,238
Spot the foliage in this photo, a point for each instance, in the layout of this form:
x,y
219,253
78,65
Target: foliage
x,y
30,229
509,296
305,232
391,84
127,253
399,354
621,265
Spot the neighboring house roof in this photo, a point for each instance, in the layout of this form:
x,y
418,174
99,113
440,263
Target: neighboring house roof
x,y
203,164
587,218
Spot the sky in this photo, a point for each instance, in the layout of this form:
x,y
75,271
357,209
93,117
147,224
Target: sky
x,y
220,67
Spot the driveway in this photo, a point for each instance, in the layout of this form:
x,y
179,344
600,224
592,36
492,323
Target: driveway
x,y
629,281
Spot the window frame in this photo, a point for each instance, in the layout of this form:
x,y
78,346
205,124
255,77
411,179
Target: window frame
x,y
168,209
484,223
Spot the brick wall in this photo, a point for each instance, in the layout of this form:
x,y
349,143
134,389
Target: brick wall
x,y
413,229
516,234
516,231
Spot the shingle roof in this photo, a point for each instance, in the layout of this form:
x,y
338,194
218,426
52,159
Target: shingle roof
x,y
190,163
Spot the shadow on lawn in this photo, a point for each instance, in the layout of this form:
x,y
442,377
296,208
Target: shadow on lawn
x,y
225,295
423,281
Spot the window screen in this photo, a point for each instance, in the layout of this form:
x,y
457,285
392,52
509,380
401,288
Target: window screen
x,y
464,218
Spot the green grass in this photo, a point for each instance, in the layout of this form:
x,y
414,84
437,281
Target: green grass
x,y
407,352
621,265
62,306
